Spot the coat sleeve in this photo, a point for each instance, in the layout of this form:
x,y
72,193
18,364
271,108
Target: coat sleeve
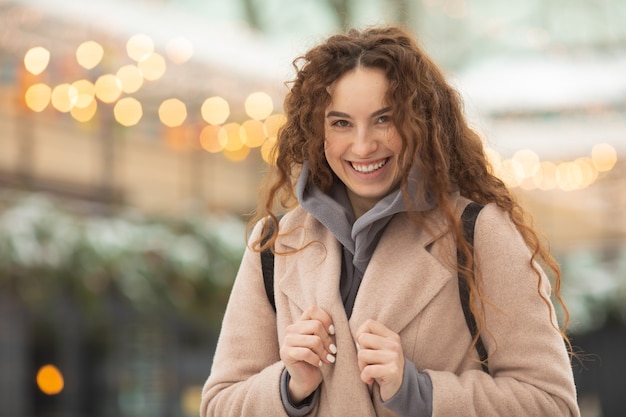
x,y
529,368
246,370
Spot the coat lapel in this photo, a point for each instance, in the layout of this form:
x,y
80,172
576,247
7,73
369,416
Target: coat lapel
x,y
402,276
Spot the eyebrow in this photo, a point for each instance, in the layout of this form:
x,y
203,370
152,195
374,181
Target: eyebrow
x,y
346,115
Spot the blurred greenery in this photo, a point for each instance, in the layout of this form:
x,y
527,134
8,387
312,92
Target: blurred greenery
x,y
50,252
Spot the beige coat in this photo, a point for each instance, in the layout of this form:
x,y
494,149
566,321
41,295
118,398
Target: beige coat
x,y
411,287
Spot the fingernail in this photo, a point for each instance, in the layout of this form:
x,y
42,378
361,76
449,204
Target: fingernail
x,y
330,358
358,347
320,364
331,329
333,348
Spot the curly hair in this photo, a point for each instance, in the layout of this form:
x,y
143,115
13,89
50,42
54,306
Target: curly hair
x,y
428,114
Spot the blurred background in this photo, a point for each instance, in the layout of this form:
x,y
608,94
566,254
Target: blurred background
x,y
134,135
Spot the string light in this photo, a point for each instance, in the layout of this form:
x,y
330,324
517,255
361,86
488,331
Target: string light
x,y
36,60
89,54
50,380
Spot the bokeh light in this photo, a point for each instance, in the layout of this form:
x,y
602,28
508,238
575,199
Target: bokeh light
x,y
230,137
64,97
86,113
545,178
525,164
108,88
131,78
86,92
179,50
89,54
172,112
209,139
50,380
253,132
139,47
237,155
259,105
604,157
37,97
152,67
128,111
36,60
215,110
267,151
273,124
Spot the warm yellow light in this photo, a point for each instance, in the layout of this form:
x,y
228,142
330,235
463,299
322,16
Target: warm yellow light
x,y
237,155
37,97
209,139
179,50
139,47
253,132
64,97
131,78
589,174
273,123
230,137
545,177
128,111
152,67
215,110
86,92
525,163
89,54
108,88
259,105
36,60
604,157
268,151
85,114
508,173
172,112
568,176
50,380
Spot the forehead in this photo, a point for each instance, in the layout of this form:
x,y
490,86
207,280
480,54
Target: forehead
x,y
361,85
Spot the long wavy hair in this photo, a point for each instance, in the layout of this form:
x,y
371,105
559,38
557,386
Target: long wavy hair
x,y
428,114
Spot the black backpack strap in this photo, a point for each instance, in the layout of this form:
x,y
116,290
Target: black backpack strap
x,y
469,220
267,266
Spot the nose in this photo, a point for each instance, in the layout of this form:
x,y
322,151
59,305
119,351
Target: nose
x,y
365,142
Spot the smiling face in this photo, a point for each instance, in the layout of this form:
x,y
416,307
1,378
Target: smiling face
x,y
362,145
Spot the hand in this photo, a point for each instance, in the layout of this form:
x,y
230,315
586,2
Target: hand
x,y
380,357
307,345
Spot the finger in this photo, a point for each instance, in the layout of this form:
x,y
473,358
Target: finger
x,y
294,354
319,314
312,342
374,327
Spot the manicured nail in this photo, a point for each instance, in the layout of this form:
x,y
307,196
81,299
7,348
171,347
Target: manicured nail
x,y
333,349
330,358
331,329
320,364
358,347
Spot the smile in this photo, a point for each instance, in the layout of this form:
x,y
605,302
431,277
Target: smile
x,y
369,168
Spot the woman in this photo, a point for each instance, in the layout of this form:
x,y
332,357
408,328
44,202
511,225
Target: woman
x,y
375,165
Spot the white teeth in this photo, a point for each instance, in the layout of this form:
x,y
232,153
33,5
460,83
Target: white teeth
x,y
366,169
